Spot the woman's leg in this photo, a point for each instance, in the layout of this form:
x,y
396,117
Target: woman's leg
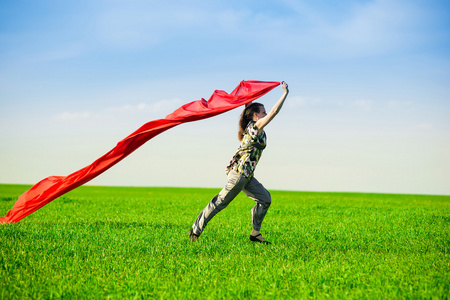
x,y
234,186
261,196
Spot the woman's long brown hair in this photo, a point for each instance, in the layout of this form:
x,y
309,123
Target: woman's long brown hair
x,y
247,116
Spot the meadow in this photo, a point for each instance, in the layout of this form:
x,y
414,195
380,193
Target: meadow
x,y
119,242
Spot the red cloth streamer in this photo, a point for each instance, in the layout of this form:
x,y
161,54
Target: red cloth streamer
x,y
53,187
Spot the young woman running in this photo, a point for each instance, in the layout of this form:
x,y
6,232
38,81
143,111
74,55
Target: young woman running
x,y
241,168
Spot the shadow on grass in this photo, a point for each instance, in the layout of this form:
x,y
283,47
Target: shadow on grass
x,y
7,199
109,224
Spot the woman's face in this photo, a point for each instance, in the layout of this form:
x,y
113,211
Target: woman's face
x,y
261,114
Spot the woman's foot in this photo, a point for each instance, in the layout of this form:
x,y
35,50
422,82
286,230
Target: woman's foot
x,y
259,238
193,236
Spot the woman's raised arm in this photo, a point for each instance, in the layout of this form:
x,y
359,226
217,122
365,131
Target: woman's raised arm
x,y
261,123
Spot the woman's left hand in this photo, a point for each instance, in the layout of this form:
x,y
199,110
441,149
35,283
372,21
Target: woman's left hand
x,y
284,85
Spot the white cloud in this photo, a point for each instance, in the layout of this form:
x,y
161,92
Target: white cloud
x,y
302,101
146,24
59,53
153,110
73,116
374,27
361,29
422,126
129,28
154,107
125,109
304,29
364,105
394,104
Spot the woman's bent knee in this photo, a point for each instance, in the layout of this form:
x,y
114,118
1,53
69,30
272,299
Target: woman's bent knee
x,y
267,199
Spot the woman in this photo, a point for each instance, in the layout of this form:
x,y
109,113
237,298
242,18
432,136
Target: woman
x,y
241,168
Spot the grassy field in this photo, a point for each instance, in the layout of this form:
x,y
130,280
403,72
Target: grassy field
x,y
111,242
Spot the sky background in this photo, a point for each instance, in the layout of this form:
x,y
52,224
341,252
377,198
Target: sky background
x,y
368,109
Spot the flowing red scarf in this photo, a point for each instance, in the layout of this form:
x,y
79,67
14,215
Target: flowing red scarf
x,y
53,187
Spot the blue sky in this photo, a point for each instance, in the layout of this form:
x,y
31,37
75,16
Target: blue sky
x,y
367,112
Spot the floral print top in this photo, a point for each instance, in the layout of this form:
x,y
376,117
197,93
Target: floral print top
x,y
247,156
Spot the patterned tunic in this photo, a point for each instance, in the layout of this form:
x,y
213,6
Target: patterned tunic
x,y
247,156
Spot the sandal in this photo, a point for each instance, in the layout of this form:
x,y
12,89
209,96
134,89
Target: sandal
x,y
254,238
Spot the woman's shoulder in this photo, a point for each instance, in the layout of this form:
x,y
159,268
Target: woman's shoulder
x,y
251,124
252,129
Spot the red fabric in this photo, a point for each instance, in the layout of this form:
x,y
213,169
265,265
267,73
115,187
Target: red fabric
x,y
53,187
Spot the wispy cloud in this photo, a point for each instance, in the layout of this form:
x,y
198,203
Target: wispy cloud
x,y
73,116
364,105
363,28
394,104
349,105
147,108
302,101
422,126
298,28
146,24
59,53
152,110
375,27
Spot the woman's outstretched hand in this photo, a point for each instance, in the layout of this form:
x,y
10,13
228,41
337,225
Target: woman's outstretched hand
x,y
284,85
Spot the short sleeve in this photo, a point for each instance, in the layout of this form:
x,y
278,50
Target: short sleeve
x,y
253,130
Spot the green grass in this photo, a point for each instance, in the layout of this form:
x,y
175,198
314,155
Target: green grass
x,y
111,242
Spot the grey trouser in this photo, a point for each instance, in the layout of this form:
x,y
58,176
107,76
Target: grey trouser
x,y
236,183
